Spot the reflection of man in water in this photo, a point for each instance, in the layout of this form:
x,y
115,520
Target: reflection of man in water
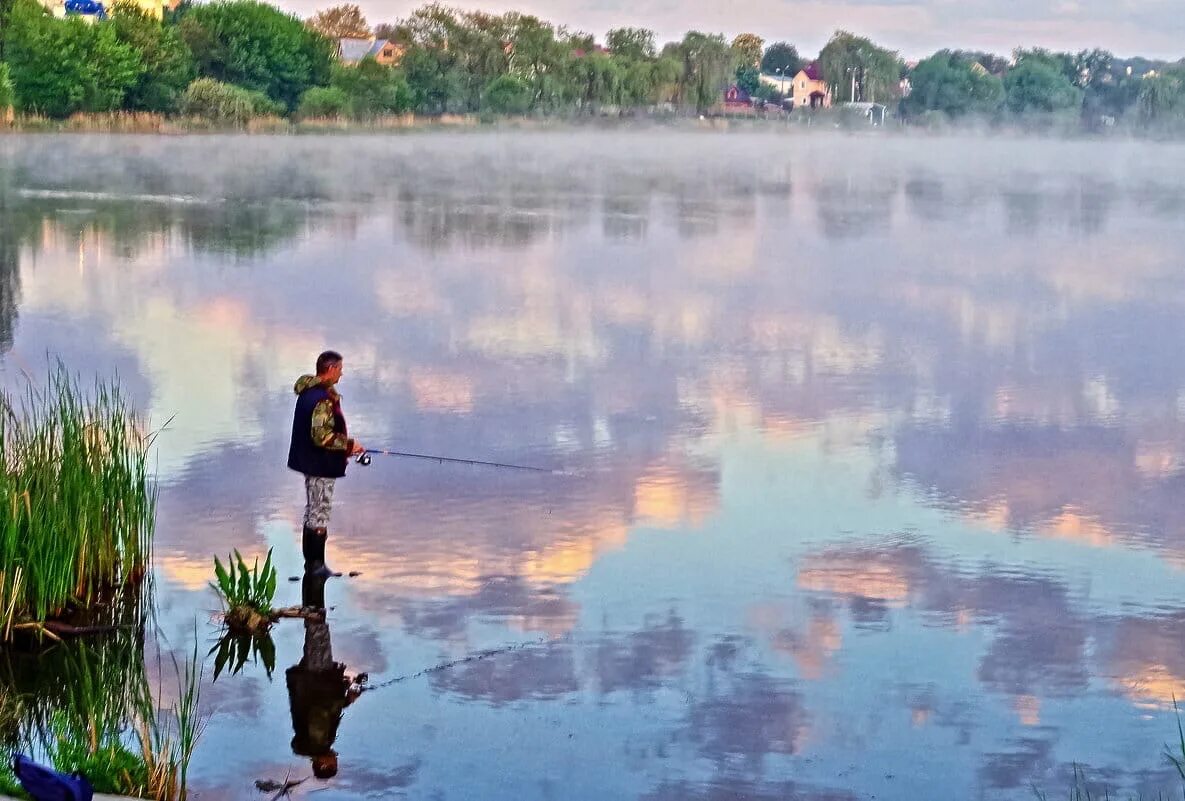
x,y
318,688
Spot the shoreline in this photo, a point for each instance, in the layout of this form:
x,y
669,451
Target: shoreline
x,y
157,125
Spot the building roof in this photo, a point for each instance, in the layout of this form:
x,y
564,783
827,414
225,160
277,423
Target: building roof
x,y
357,49
813,72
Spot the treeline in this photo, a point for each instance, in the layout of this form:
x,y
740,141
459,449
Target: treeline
x,y
231,60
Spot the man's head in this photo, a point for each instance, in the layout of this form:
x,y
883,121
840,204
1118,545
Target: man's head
x,y
329,367
325,765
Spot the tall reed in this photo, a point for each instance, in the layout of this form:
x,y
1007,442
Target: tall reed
x,y
77,507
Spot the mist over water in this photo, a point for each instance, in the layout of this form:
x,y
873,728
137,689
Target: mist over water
x,y
876,445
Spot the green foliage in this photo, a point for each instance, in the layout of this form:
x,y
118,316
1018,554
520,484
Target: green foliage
x,y
707,64
218,102
232,652
946,82
166,64
435,82
323,101
508,94
62,66
108,762
238,586
749,79
263,106
7,93
1061,63
257,46
768,93
371,89
849,61
1036,85
1162,101
783,56
636,44
79,506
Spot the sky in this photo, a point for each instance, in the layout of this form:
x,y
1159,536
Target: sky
x,y
916,28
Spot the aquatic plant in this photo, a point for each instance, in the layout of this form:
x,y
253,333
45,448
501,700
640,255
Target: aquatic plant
x,y
232,652
79,508
246,593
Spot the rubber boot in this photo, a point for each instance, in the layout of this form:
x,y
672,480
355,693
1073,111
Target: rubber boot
x,y
311,545
319,567
312,592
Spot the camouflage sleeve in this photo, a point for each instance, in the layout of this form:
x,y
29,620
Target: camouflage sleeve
x,y
323,434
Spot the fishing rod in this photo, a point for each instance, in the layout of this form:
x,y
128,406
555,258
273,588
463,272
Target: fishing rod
x,y
364,460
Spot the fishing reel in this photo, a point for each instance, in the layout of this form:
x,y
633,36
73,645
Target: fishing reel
x,y
363,459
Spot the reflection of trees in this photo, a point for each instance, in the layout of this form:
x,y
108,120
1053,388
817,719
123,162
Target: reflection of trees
x,y
644,657
10,275
850,207
747,716
243,230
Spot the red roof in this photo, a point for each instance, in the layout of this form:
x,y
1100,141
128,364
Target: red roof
x,y
813,72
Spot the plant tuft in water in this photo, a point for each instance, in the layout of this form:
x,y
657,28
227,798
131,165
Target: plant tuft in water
x,y
246,593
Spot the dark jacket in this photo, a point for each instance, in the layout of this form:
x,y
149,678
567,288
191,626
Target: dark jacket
x,y
320,441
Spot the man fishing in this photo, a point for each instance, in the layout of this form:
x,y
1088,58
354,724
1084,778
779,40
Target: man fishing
x,y
320,448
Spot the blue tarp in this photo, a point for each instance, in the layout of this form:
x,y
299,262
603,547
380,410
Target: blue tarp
x,y
86,8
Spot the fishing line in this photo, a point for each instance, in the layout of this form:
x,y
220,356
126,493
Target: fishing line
x,y
476,656
364,459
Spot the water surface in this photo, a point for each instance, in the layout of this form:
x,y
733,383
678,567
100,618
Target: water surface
x,y
873,447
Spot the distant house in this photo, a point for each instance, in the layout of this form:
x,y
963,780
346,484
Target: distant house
x,y
91,10
384,51
809,89
737,99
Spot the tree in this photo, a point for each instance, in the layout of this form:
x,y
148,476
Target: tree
x,y
708,63
392,33
323,101
859,69
995,65
1035,85
7,93
257,46
748,47
371,89
59,67
749,79
1093,68
1162,99
341,22
1061,63
632,43
948,83
508,94
221,102
783,56
166,63
539,58
435,83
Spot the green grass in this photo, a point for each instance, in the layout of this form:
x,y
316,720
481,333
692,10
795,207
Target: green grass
x,y
77,501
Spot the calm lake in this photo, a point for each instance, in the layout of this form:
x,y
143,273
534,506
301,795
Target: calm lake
x,y
872,449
